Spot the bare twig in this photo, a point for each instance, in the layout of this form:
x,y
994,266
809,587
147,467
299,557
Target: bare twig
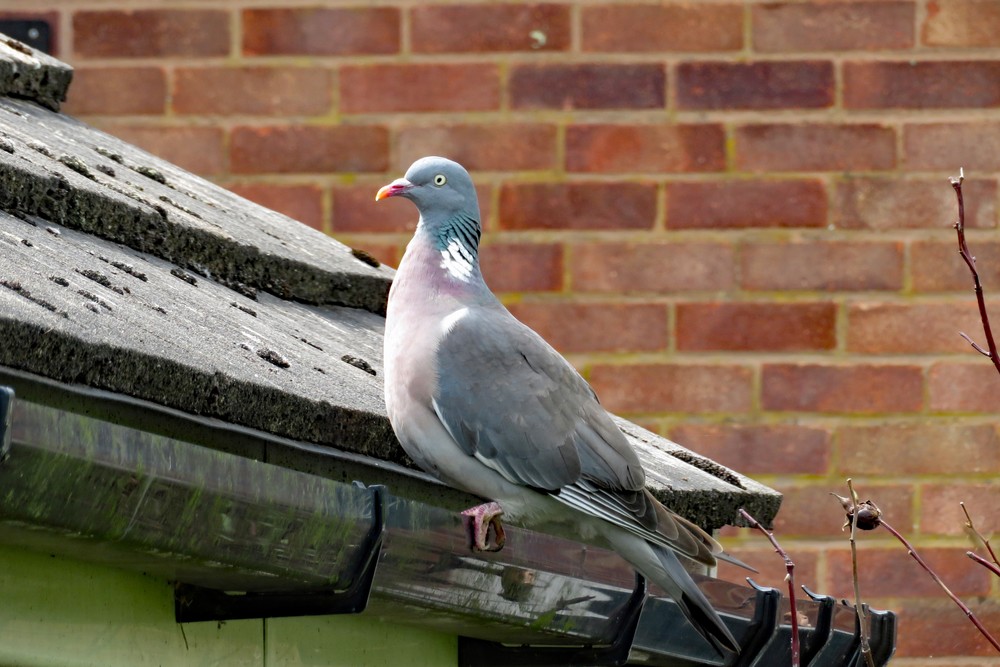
x,y
868,516
937,579
865,516
970,261
866,649
789,579
982,561
972,527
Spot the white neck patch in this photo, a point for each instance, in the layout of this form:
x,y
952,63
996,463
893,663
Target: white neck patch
x,y
457,260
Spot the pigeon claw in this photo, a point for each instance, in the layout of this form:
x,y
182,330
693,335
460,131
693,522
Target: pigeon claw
x,y
478,521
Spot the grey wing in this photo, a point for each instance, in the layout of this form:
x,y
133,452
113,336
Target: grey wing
x,y
509,399
641,514
513,402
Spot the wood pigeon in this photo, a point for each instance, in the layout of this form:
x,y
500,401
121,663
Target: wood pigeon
x,y
482,402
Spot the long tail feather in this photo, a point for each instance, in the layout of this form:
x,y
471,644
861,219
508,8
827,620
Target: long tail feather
x,y
694,604
662,566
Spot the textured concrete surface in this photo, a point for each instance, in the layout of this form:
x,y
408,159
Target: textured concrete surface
x,y
84,310
29,73
64,171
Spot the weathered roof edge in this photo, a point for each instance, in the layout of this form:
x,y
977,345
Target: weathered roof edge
x,y
78,185
29,73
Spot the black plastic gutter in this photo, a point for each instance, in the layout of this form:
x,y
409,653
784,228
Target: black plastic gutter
x,y
247,538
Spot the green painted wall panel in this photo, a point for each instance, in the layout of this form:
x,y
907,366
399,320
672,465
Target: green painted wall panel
x,y
56,612
346,641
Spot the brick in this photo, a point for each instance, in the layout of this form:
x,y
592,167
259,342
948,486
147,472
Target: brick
x,y
921,85
355,210
942,512
597,327
487,147
756,326
860,388
815,147
255,91
695,388
880,203
810,511
652,267
638,28
928,660
890,572
522,267
766,449
937,627
918,448
299,202
489,28
109,91
577,205
937,267
197,149
746,203
757,85
771,569
419,87
962,23
939,146
825,26
672,148
588,86
145,33
909,328
821,265
309,149
321,31
972,386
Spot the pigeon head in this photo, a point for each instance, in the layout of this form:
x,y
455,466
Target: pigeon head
x,y
440,188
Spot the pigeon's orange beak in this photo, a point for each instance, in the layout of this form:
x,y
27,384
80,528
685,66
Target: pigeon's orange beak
x,y
397,187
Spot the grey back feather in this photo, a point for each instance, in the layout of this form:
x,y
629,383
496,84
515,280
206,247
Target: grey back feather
x,y
513,402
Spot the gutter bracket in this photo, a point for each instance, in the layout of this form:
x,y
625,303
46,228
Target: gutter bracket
x,y
195,603
761,627
822,631
480,652
881,637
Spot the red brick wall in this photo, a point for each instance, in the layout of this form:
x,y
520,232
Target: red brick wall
x,y
733,216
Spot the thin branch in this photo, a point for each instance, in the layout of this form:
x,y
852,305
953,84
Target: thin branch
x,y
937,579
866,649
970,261
974,344
789,579
971,526
982,561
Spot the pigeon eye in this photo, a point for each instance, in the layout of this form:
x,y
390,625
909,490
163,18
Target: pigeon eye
x,y
440,180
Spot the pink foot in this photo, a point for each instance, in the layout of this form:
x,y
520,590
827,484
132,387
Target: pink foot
x,y
478,521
